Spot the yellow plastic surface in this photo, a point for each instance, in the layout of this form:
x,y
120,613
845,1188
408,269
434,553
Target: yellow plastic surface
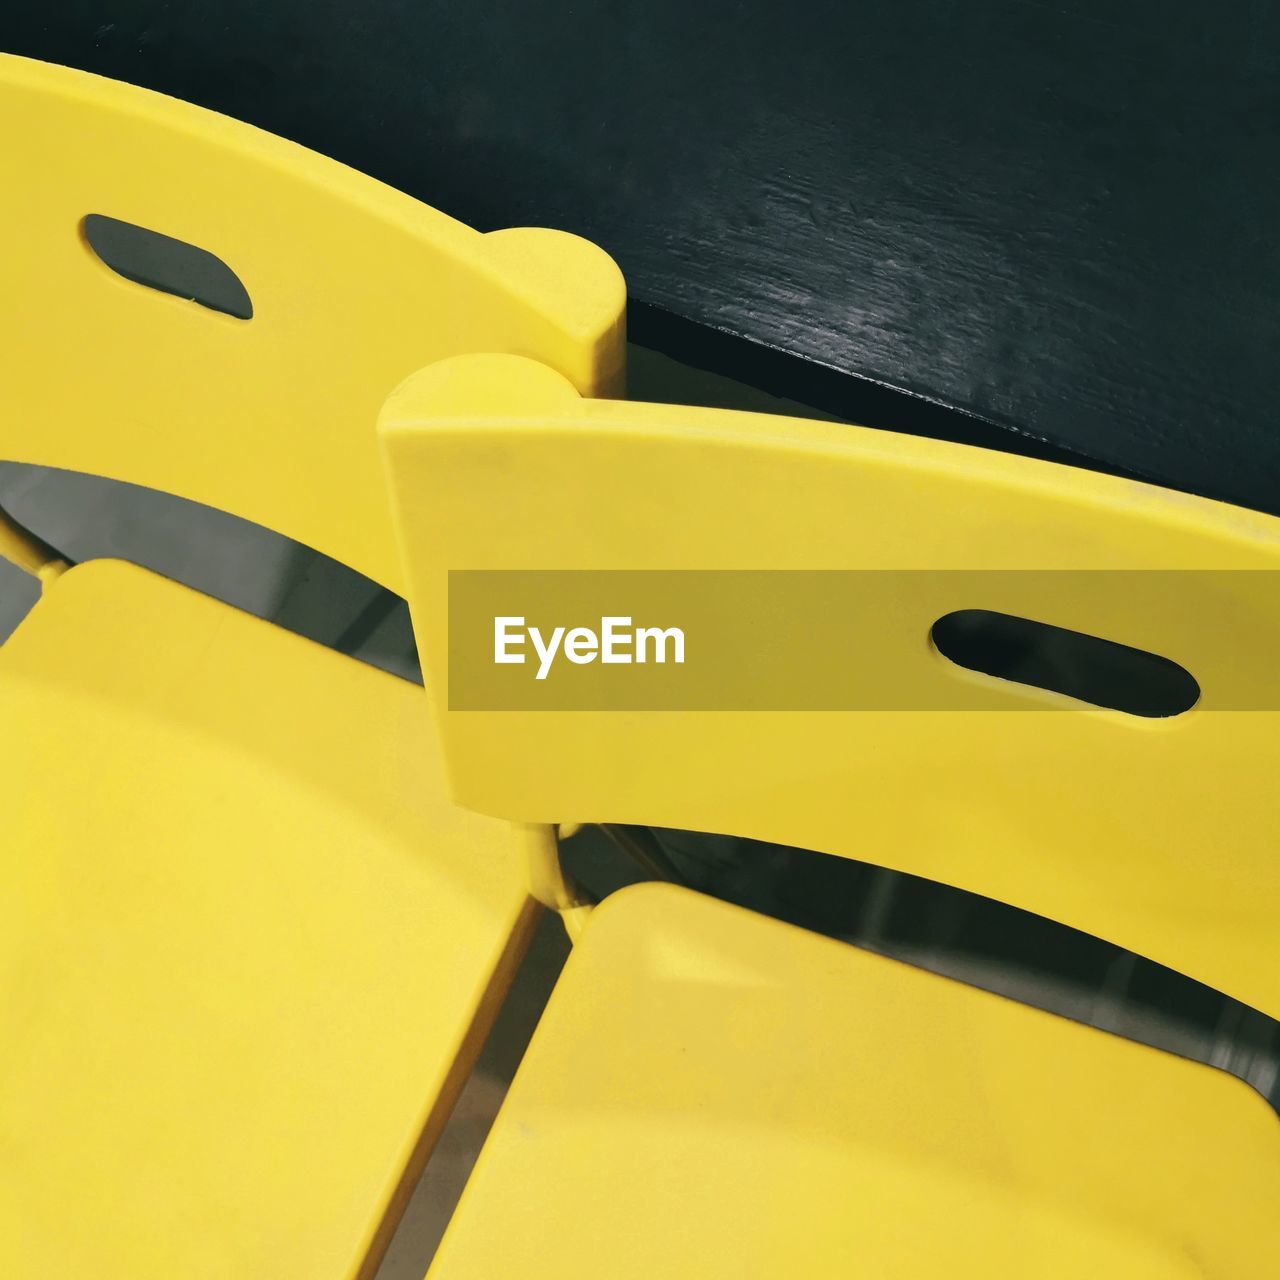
x,y
247,947
713,1095
353,286
29,553
1158,835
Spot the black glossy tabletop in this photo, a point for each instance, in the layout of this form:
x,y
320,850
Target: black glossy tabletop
x,y
1007,221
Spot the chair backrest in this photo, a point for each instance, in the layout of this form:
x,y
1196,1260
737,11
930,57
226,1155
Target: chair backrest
x,y
1157,834
351,286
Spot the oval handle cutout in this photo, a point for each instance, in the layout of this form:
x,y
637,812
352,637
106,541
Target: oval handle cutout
x,y
1071,663
169,265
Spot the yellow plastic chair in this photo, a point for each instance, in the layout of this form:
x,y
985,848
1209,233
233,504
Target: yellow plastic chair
x,y
248,947
1155,834
714,1094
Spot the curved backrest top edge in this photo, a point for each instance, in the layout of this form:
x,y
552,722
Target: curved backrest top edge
x,y
500,396
589,315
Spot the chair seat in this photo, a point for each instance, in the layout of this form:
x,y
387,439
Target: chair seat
x,y
713,1094
247,947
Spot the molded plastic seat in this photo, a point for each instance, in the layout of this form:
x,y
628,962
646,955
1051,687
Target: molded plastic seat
x,y
713,1094
247,946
